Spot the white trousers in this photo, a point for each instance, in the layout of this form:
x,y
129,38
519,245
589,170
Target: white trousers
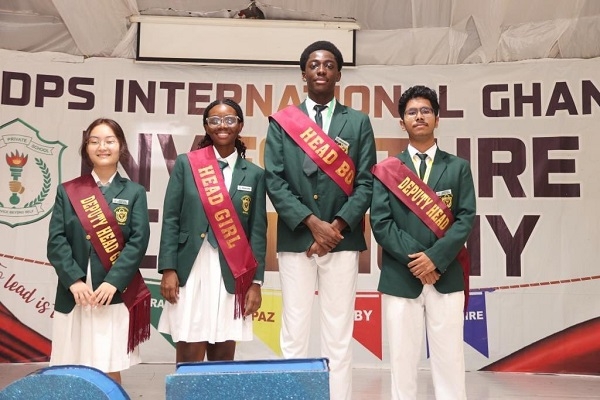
x,y
443,318
334,276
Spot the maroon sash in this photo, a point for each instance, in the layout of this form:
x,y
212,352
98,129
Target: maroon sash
x,y
101,226
424,202
323,150
224,222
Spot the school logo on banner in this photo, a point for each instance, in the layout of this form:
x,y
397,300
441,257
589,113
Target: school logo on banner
x,y
29,173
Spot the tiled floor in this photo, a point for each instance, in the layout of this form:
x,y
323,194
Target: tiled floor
x,y
147,381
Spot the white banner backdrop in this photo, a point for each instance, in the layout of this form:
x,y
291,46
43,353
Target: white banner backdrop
x,y
528,128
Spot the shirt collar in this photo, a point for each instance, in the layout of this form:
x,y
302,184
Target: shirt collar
x,y
430,151
230,159
97,180
310,106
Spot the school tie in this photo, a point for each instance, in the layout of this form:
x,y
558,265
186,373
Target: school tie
x,y
222,165
211,236
309,165
422,165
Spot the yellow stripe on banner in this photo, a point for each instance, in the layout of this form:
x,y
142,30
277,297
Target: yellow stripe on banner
x,y
267,320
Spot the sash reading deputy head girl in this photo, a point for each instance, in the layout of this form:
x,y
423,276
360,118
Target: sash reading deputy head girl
x,y
224,222
103,231
322,149
423,202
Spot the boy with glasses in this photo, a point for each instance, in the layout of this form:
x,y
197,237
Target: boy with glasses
x,y
422,213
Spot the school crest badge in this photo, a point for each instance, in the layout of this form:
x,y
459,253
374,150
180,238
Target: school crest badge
x,y
121,214
30,170
446,197
245,204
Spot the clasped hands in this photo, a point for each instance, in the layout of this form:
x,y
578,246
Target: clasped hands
x,y
423,268
327,235
84,296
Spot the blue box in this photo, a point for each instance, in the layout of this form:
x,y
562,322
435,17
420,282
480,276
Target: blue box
x,y
65,382
260,379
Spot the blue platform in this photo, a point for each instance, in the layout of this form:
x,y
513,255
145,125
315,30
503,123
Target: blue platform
x,y
65,382
262,379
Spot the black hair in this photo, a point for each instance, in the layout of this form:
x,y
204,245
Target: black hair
x,y
207,141
418,91
117,130
321,45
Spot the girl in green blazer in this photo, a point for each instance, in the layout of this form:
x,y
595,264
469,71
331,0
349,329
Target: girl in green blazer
x,y
197,281
91,322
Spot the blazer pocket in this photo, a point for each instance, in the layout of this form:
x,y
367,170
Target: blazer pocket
x,y
183,237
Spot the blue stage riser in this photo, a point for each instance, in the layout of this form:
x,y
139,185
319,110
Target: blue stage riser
x,y
265,379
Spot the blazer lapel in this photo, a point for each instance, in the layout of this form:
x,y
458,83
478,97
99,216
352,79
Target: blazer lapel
x,y
338,120
405,158
437,169
116,187
303,108
239,174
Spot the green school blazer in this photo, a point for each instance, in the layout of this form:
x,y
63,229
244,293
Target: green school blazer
x,y
184,223
69,250
295,196
400,232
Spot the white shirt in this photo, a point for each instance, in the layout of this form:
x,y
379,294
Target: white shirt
x,y
228,170
326,113
417,161
99,183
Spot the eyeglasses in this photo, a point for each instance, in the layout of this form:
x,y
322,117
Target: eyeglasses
x,y
229,120
95,142
425,111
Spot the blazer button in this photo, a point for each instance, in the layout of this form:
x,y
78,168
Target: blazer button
x,y
203,235
88,237
315,196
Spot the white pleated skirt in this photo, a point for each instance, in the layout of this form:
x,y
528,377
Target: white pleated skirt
x,y
94,337
204,311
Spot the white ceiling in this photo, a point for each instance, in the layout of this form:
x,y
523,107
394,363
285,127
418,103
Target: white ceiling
x,y
393,32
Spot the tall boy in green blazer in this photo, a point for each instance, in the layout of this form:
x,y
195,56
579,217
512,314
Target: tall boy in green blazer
x,y
319,227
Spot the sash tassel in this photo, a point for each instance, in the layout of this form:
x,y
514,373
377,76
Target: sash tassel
x,y
242,285
216,202
137,296
139,322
